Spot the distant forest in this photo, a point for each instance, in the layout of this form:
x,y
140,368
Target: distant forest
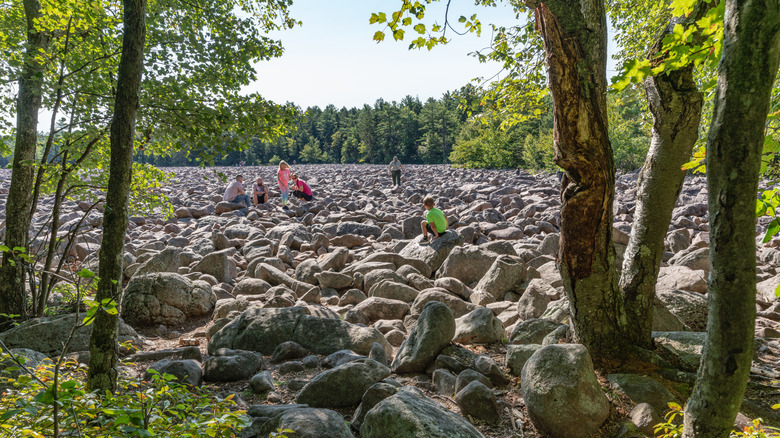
x,y
434,131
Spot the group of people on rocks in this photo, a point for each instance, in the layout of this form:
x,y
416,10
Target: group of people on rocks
x,y
288,182
434,225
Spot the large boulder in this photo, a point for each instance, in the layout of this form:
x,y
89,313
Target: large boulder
x,y
376,308
434,330
166,260
186,371
410,414
355,228
394,291
264,329
681,278
532,331
506,274
231,365
689,307
642,389
467,263
307,423
48,334
165,298
219,265
563,396
456,304
342,386
480,326
434,253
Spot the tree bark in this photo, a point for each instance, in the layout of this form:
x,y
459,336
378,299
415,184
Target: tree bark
x,y
676,104
575,39
103,342
13,298
751,53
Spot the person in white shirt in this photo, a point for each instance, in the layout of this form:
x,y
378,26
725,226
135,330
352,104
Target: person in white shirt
x,y
235,192
395,168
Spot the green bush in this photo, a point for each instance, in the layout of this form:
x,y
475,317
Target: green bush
x,y
31,407
673,429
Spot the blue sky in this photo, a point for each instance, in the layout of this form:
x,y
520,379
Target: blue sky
x,y
332,58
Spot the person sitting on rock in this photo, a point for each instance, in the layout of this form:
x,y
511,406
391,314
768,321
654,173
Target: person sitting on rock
x,y
235,192
435,217
301,189
395,171
259,192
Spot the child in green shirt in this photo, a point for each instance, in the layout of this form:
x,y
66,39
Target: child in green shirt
x,y
432,216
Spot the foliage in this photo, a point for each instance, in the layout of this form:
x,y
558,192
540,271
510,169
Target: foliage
x,y
672,426
160,407
629,132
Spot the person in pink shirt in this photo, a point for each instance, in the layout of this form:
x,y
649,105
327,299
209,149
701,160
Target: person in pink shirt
x,y
301,189
284,180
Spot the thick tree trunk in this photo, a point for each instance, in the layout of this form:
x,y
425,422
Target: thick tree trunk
x,y
751,52
676,104
575,39
13,297
103,343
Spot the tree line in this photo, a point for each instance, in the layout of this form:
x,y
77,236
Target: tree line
x,y
457,128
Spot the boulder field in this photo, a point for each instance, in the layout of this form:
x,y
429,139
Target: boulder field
x,y
335,309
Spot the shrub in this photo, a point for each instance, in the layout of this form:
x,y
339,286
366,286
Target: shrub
x,y
53,401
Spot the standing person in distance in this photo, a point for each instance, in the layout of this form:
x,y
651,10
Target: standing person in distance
x,y
284,180
395,171
435,221
259,192
301,189
235,192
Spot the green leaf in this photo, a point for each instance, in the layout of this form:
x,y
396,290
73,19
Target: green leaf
x,y
85,273
379,36
772,230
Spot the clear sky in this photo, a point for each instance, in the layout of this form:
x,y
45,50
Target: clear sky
x,y
332,58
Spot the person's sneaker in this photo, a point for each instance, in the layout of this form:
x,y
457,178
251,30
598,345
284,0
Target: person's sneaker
x,y
423,239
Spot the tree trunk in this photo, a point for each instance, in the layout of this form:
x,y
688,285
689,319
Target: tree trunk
x,y
676,104
751,52
103,342
575,39
13,297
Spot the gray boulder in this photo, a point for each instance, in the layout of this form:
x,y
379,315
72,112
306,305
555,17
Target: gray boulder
x,y
518,355
467,263
218,264
532,331
689,307
561,392
478,401
231,365
306,422
48,334
263,330
165,298
410,414
166,260
480,326
434,330
375,394
342,386
505,275
642,389
394,291
434,253
186,371
262,382
355,228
